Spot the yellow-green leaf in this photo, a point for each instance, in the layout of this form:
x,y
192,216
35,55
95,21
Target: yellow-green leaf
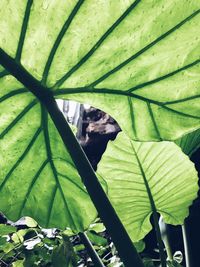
x,y
148,177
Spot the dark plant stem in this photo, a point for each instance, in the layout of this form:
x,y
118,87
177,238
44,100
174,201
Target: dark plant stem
x,y
188,260
119,236
91,251
159,240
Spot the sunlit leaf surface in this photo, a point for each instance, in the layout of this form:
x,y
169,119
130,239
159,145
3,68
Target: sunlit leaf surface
x,y
137,60
148,177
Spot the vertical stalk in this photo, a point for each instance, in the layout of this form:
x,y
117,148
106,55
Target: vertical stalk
x,y
159,240
188,260
91,251
120,237
168,248
164,234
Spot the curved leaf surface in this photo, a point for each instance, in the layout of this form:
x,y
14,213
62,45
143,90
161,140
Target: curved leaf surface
x,y
189,143
37,177
148,177
146,75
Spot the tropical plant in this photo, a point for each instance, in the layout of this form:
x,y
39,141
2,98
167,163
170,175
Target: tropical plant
x,y
137,60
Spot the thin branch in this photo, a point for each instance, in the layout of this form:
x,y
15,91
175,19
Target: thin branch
x,y
91,251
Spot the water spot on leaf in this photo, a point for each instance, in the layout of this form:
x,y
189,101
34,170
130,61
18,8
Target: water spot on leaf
x,y
45,4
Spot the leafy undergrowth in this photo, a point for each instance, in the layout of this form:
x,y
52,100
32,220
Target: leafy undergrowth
x,y
25,244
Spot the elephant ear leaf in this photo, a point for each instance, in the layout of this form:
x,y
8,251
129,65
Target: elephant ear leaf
x,y
98,52
146,75
189,143
144,178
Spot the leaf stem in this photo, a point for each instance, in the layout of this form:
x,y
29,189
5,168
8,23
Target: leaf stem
x,y
159,240
188,260
168,248
91,251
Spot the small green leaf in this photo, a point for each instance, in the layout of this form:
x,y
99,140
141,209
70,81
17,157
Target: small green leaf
x,y
3,241
148,177
97,239
97,227
68,232
18,263
8,247
7,229
79,247
18,237
30,222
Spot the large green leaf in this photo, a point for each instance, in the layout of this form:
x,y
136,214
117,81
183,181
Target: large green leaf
x,y
148,177
138,60
96,52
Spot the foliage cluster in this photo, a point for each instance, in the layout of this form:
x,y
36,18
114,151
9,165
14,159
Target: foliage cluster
x,y
138,61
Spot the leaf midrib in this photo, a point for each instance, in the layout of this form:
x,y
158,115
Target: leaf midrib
x,y
148,190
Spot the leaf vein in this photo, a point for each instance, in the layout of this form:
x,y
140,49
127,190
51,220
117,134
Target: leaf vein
x,y
17,119
142,85
23,30
97,45
13,93
21,157
153,120
36,176
58,40
140,52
